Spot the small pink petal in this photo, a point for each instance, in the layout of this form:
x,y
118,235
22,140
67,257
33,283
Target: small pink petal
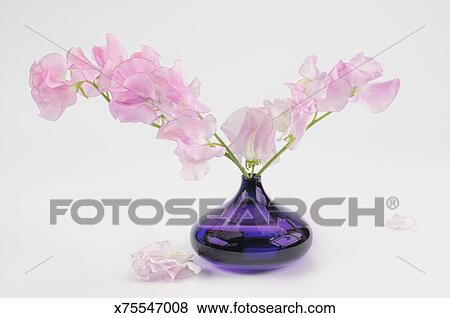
x,y
378,96
337,97
309,69
134,113
112,50
148,53
401,223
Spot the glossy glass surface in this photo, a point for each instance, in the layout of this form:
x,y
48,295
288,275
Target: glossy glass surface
x,y
250,232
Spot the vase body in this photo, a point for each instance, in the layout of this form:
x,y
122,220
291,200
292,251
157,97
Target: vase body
x,y
250,232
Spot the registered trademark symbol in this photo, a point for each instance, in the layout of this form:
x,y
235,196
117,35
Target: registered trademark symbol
x,y
392,203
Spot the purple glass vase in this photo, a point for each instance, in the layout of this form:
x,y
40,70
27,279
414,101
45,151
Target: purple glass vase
x,y
250,232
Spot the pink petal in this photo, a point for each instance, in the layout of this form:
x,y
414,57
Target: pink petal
x,y
234,123
112,50
80,65
367,65
401,223
280,111
131,67
49,88
309,69
301,116
52,69
140,84
378,96
135,113
193,170
337,95
113,47
104,81
251,133
194,159
148,53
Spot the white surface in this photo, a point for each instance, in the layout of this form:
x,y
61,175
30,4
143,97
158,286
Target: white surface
x,y
242,52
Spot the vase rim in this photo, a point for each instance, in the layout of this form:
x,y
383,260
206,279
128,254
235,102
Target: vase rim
x,y
254,178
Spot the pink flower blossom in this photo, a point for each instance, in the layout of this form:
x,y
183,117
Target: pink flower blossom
x,y
359,73
185,96
142,90
194,148
280,110
49,87
133,90
159,261
82,70
291,116
361,70
301,115
313,81
108,58
148,53
251,133
328,94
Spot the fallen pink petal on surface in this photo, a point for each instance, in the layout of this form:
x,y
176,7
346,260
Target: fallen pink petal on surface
x,y
401,222
159,261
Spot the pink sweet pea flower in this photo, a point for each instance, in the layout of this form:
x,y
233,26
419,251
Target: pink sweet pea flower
x,y
301,115
148,53
108,58
192,135
82,70
49,87
133,90
112,50
280,110
142,90
291,116
329,95
251,133
182,95
359,72
313,81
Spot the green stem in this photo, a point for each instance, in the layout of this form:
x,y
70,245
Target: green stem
x,y
252,173
80,88
105,95
230,155
275,157
289,142
316,120
216,144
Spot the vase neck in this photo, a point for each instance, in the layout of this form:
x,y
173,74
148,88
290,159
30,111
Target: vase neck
x,y
252,187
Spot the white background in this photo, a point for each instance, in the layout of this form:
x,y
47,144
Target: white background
x,y
243,52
